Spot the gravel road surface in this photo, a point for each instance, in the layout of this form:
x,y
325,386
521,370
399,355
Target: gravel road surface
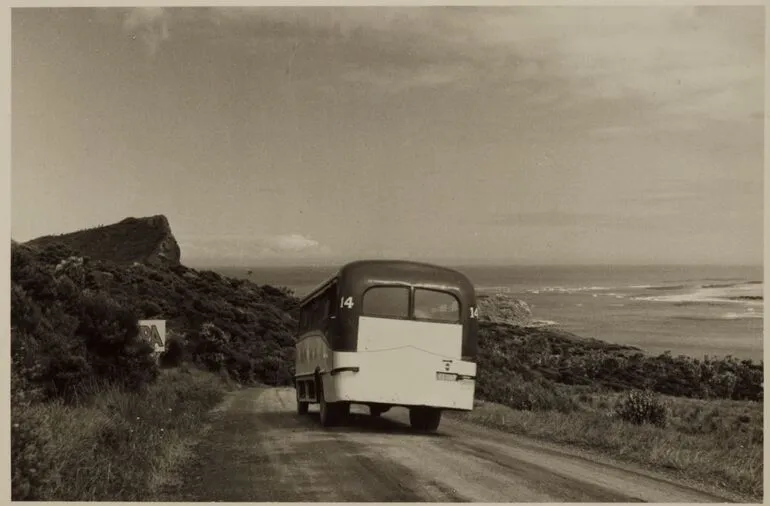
x,y
258,449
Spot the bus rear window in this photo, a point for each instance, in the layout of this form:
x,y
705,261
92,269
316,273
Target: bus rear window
x,y
386,301
436,306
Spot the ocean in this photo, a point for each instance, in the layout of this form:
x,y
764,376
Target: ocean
x,y
695,311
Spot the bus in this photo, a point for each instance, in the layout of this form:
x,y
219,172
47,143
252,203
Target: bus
x,y
385,333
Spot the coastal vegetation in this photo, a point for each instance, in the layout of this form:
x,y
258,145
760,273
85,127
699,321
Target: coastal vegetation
x,y
550,356
76,356
717,443
697,419
113,444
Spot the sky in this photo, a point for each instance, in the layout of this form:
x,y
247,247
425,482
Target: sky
x,y
532,135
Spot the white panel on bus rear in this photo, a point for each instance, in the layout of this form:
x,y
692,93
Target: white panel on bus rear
x,y
377,334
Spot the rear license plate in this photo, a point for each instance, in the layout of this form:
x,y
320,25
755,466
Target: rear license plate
x,y
445,376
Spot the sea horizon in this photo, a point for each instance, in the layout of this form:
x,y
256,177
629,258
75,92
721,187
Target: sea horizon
x,y
261,264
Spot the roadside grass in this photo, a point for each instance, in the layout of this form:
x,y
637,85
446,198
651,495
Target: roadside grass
x,y
718,442
115,445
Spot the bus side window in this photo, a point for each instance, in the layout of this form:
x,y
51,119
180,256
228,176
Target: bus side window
x,y
317,314
308,317
324,311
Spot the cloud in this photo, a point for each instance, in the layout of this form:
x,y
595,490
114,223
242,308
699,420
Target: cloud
x,y
395,80
294,243
400,24
692,61
389,49
149,24
684,64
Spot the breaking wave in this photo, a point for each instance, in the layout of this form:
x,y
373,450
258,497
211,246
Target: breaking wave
x,y
725,316
565,289
542,323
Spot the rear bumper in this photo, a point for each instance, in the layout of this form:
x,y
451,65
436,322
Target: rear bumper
x,y
401,377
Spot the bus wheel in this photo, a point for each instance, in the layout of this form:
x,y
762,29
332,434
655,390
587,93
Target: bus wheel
x,y
302,406
327,410
425,419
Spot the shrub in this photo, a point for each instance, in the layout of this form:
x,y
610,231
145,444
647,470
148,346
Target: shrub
x,y
114,349
517,393
564,358
150,309
56,252
30,455
641,407
174,353
66,336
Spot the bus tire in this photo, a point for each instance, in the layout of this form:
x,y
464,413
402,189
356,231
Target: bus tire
x,y
327,411
332,413
424,419
302,406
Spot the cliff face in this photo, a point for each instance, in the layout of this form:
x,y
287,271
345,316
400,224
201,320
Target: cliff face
x,y
167,249
145,240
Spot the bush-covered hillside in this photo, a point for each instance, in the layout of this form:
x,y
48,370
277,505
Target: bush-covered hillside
x,y
74,321
554,357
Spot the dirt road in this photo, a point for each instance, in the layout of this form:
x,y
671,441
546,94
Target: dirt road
x,y
259,449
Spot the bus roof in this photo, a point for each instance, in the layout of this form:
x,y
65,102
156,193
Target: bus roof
x,y
385,270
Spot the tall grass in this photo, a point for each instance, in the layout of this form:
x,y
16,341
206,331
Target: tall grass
x,y
115,446
717,441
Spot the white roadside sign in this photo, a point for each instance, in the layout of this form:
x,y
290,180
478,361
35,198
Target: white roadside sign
x,y
154,332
